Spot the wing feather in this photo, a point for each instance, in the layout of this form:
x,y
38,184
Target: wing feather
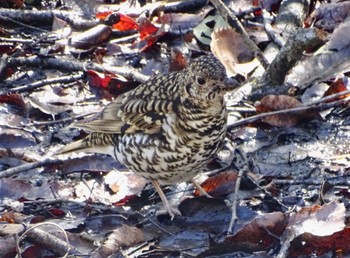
x,y
140,110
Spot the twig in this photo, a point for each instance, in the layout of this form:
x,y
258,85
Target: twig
x,y
233,21
15,40
277,39
41,83
339,180
63,120
45,18
10,20
243,170
318,105
73,65
48,240
158,226
22,168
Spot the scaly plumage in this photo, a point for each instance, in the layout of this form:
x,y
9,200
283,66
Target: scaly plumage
x,y
167,129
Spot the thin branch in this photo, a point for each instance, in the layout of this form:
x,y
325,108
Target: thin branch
x,y
318,105
73,65
23,168
42,83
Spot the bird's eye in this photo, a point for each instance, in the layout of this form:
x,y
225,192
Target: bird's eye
x,y
200,80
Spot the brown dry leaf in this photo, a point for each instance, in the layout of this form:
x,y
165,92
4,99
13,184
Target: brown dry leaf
x,y
229,47
178,61
219,185
13,217
92,37
336,87
261,232
14,102
121,185
308,244
275,103
121,237
318,220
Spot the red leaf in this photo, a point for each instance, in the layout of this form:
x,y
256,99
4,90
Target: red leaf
x,y
109,83
56,212
125,200
149,34
120,21
146,29
219,185
98,80
336,87
15,100
103,15
125,23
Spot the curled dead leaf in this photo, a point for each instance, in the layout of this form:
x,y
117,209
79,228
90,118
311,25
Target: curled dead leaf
x,y
281,102
229,47
92,37
336,87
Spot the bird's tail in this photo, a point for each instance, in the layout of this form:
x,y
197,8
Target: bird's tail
x,y
77,146
95,142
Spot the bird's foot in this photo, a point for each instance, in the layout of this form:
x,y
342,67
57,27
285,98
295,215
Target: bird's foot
x,y
200,189
171,211
168,208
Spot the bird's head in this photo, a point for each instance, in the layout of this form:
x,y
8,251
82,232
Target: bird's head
x,y
207,81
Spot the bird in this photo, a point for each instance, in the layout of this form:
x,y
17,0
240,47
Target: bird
x,y
168,128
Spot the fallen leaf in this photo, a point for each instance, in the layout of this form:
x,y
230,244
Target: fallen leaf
x,y
92,37
318,220
307,244
118,21
121,237
259,234
178,61
281,102
229,47
336,87
123,184
111,85
219,185
149,34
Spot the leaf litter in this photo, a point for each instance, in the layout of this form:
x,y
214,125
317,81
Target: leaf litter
x,y
295,194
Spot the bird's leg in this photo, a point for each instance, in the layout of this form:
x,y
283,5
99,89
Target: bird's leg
x,y
168,208
201,190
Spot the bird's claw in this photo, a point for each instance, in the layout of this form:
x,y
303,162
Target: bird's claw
x,y
169,210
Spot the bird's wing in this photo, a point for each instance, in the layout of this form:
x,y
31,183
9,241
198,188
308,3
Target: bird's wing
x,y
141,110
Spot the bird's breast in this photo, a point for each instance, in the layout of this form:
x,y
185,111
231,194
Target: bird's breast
x,y
178,153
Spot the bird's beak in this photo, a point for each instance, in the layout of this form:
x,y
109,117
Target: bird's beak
x,y
229,84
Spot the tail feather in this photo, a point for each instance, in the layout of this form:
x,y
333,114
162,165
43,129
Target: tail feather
x,y
77,146
95,142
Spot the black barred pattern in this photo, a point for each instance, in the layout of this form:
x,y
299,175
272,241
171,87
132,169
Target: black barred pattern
x,y
168,128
